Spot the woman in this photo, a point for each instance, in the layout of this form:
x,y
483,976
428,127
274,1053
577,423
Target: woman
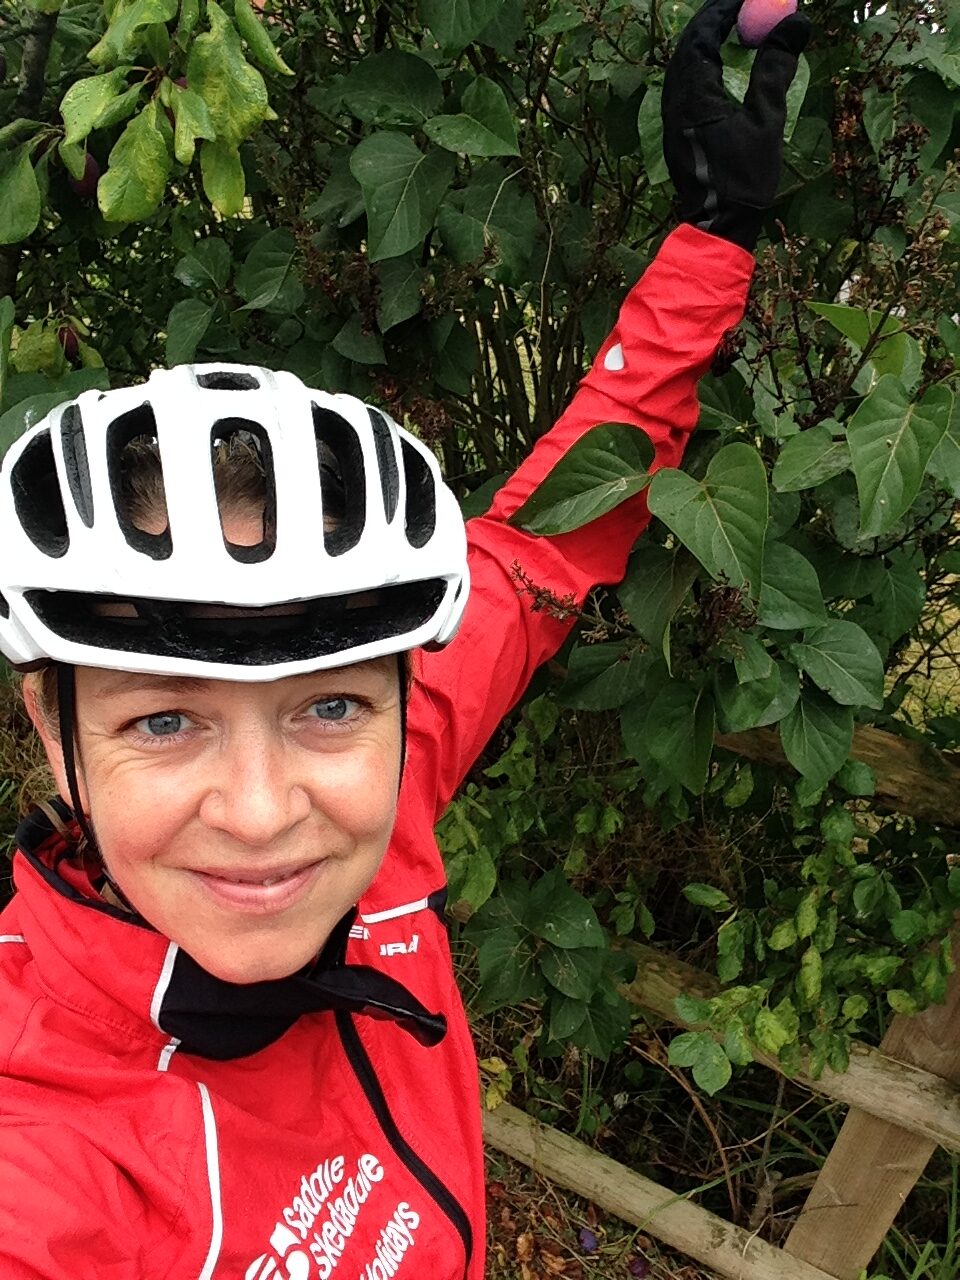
x,y
231,1043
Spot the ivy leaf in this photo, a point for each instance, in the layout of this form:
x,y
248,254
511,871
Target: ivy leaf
x,y
561,916
267,279
722,519
125,33
258,39
137,170
808,459
192,121
85,101
456,22
186,324
402,189
791,595
221,169
842,659
817,736
485,125
891,441
19,196
393,87
234,92
606,466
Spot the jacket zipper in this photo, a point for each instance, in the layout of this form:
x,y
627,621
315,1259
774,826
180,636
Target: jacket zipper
x,y
363,1069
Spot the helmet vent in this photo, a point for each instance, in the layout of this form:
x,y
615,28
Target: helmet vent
x,y
342,484
420,516
386,463
226,381
136,482
239,444
37,497
74,446
4,607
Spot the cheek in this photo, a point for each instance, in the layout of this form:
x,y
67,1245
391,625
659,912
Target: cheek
x,y
137,812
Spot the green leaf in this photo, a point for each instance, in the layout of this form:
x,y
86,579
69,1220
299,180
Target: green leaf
x,y
891,441
680,726
810,977
650,129
507,970
842,659
791,595
224,183
944,463
357,343
707,895
808,459
698,1050
186,324
908,927
401,291
566,1017
192,121
26,413
126,33
74,159
471,876
85,100
267,280
751,704
692,1009
485,126
19,196
721,519
857,779
402,188
605,467
234,92
137,170
784,935
656,584
392,88
561,916
258,39
456,22
769,1032
576,971
601,677
816,736
736,1044
122,107
731,949
855,323
902,1002
492,216
855,1007
207,266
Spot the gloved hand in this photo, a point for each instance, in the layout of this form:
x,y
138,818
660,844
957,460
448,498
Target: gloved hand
x,y
725,159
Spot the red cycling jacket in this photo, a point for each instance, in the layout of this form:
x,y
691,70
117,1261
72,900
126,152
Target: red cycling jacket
x,y
158,1123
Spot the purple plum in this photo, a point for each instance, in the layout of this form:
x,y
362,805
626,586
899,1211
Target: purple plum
x,y
758,18
86,187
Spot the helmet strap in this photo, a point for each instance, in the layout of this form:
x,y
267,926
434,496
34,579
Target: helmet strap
x,y
67,714
402,673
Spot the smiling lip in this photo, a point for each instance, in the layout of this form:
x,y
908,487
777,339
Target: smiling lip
x,y
270,893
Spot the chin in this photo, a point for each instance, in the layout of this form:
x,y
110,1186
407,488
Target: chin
x,y
243,965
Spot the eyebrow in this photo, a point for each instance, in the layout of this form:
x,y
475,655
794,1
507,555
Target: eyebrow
x,y
136,682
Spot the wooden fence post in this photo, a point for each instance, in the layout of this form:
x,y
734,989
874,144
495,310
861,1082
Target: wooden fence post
x,y
874,1164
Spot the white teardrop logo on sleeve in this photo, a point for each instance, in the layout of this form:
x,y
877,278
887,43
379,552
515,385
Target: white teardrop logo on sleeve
x,y
614,360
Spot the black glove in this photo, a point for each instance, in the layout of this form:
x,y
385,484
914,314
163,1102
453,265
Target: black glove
x,y
725,159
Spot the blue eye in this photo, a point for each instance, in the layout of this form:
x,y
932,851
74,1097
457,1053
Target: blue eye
x,y
164,724
333,708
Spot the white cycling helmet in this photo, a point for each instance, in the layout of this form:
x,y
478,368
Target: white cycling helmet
x,y
81,584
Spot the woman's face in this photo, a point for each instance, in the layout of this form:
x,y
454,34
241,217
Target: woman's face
x,y
241,820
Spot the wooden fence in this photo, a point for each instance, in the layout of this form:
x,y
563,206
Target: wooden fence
x,y
904,1097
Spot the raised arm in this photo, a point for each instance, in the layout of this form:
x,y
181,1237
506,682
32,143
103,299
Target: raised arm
x,y
645,374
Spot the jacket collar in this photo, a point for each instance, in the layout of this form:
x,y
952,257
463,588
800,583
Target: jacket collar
x,y
113,966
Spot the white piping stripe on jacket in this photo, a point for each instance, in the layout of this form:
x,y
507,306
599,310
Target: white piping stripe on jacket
x,y
166,1053
213,1178
160,990
12,937
406,910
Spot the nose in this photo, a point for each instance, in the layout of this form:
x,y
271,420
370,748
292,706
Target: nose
x,y
257,795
